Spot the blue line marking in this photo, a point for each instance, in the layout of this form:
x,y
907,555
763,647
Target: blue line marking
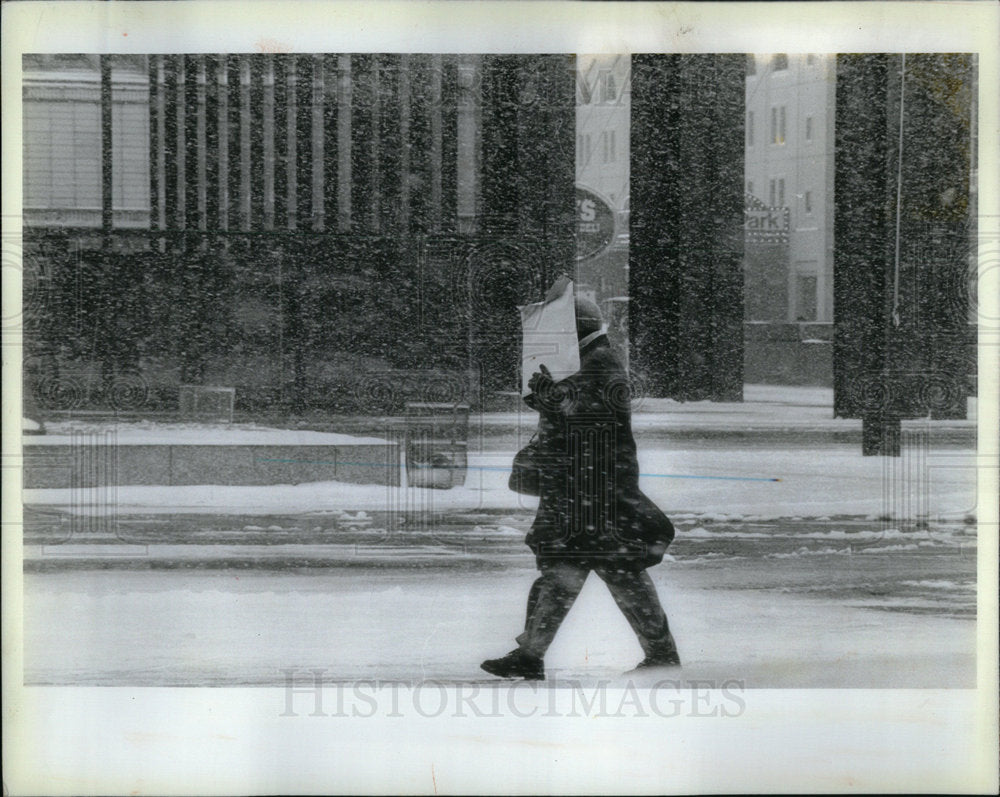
x,y
508,470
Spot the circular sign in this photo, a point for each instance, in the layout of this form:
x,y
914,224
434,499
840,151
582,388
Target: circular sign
x,y
595,224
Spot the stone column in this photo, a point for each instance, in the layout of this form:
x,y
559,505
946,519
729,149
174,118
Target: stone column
x,y
686,232
902,343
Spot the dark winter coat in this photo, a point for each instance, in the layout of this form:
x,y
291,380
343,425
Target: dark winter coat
x,y
590,509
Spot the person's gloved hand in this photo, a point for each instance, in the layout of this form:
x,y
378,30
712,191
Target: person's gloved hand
x,y
541,382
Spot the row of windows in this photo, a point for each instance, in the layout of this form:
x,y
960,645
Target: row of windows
x,y
779,126
776,194
608,145
778,62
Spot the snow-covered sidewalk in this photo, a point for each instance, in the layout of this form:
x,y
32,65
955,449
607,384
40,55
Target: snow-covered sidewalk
x,y
252,627
833,480
744,475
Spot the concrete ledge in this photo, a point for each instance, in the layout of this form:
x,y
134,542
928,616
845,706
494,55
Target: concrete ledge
x,y
68,464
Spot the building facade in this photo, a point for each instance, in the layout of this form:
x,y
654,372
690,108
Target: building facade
x,y
319,231
788,154
790,108
603,141
288,222
62,135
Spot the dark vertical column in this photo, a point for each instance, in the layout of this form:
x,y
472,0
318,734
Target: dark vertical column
x,y
724,91
533,149
390,146
292,143
191,339
317,137
528,198
552,144
362,135
170,126
931,309
501,167
449,143
859,274
404,171
528,156
254,121
107,170
434,143
155,141
903,231
345,144
331,149
303,142
193,147
281,141
685,274
422,192
375,143
234,171
108,261
654,288
213,142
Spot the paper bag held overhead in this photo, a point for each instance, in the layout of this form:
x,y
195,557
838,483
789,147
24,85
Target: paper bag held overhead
x,y
549,335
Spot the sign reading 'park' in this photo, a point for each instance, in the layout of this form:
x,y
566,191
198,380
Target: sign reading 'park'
x,y
765,224
595,224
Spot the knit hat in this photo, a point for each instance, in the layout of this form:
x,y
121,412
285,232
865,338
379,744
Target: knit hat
x,y
588,316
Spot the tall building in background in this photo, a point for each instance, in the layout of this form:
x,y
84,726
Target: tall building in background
x,y
790,101
603,113
788,279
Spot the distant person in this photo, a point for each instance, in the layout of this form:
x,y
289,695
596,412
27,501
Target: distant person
x,y
591,515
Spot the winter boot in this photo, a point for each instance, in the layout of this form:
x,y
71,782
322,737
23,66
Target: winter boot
x,y
516,664
668,660
664,654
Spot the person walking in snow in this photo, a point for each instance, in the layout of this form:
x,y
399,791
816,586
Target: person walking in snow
x,y
591,514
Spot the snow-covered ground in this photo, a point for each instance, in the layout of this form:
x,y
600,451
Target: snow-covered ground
x,y
832,480
210,599
157,433
794,566
244,627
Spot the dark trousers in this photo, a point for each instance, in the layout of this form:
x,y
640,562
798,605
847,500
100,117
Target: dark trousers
x,y
554,591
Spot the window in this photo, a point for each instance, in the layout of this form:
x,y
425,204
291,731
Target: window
x,y
750,187
778,123
805,297
776,192
608,89
750,121
809,128
585,155
807,201
751,65
811,59
779,62
62,155
608,154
